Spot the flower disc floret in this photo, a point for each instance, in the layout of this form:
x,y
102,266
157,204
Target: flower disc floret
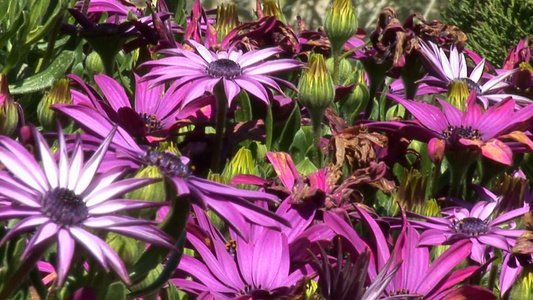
x,y
471,226
226,68
64,207
169,163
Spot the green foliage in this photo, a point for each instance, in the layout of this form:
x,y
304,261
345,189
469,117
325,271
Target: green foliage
x,y
492,26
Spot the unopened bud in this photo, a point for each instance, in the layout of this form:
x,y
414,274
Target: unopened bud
x,y
316,87
340,23
60,94
8,109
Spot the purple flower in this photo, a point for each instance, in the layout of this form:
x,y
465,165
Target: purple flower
x,y
153,115
415,278
453,129
67,202
474,225
248,71
231,204
255,269
444,71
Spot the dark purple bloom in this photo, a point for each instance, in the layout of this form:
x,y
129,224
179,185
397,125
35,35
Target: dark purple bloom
x,y
67,201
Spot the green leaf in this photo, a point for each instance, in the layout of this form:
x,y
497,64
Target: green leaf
x,y
116,291
292,126
306,167
46,78
269,127
243,114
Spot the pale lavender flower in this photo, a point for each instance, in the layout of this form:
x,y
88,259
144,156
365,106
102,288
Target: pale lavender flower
x,y
248,71
444,70
475,225
68,203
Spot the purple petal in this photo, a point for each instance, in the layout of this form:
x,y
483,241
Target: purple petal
x,y
113,91
65,251
117,188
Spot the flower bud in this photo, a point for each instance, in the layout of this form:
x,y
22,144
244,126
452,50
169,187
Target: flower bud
x,y
8,109
227,19
340,23
60,94
316,86
345,69
271,8
153,192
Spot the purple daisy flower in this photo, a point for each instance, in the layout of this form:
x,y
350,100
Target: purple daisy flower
x,y
453,129
475,225
248,71
66,201
231,204
259,268
445,71
153,114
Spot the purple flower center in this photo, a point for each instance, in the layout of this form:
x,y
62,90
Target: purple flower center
x,y
151,123
471,85
64,207
470,226
226,68
231,247
455,133
169,163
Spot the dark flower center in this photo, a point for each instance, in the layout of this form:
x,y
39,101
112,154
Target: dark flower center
x,y
231,247
471,85
455,133
169,163
399,292
151,123
64,207
470,226
226,68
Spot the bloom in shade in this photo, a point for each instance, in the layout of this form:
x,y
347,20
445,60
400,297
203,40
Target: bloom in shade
x,y
453,129
67,201
475,225
248,71
452,72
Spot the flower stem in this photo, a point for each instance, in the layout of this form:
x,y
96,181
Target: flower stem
x,y
336,67
222,107
459,163
24,269
316,120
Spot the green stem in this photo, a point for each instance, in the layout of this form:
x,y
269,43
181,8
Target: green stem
x,y
22,272
222,107
492,276
316,120
435,179
459,163
336,68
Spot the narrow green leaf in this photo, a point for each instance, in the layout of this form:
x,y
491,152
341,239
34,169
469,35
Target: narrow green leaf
x,y
244,113
292,126
269,125
116,291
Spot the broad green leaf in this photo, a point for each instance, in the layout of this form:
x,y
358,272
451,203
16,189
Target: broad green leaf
x,y
116,291
46,78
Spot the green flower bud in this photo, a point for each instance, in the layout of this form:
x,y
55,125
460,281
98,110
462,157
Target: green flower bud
x,y
9,117
153,192
242,163
340,23
345,69
523,286
227,19
271,8
316,86
60,94
94,64
411,193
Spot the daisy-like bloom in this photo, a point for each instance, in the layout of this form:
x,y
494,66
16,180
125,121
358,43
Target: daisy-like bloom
x,y
259,268
231,204
475,225
451,73
248,71
153,114
453,129
67,202
415,278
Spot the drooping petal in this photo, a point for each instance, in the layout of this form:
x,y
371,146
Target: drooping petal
x,y
65,252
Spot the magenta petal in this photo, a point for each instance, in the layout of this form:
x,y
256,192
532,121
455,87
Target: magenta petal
x,y
268,258
443,265
508,275
284,167
495,241
432,237
113,91
429,115
65,251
